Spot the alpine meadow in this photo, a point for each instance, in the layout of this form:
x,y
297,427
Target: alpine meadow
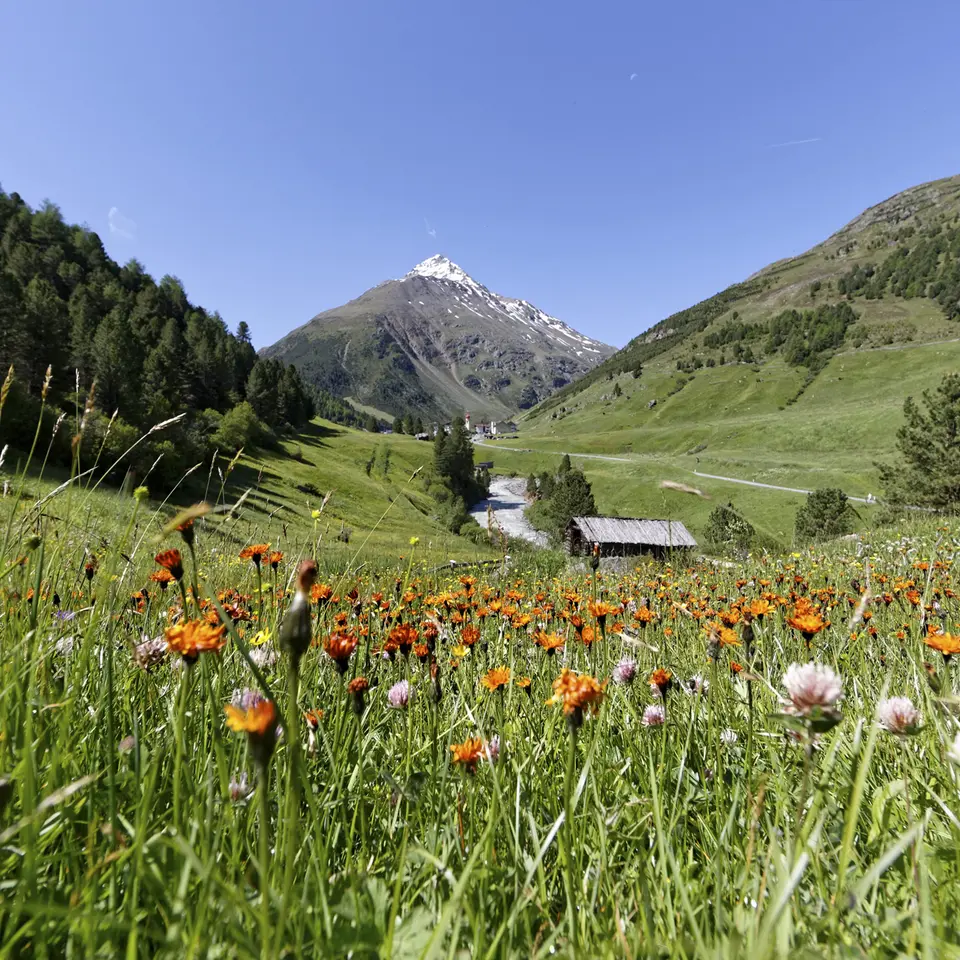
x,y
400,618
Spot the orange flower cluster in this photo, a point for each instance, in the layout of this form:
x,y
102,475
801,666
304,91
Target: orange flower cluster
x,y
339,647
577,692
255,552
171,562
946,643
194,637
549,642
468,753
257,720
496,678
321,593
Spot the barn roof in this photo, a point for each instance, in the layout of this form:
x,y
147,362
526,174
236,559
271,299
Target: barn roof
x,y
655,533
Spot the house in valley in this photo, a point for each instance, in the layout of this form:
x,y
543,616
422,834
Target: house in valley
x,y
626,536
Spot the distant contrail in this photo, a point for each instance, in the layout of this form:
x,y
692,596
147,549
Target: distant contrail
x,y
792,143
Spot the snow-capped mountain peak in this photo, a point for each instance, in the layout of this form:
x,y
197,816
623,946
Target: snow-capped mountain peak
x,y
483,302
439,267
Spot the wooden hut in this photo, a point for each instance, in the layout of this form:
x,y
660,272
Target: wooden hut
x,y
625,536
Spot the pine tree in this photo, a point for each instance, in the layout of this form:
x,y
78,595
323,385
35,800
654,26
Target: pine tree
x,y
571,497
14,335
825,515
48,324
85,312
261,393
929,445
162,373
115,365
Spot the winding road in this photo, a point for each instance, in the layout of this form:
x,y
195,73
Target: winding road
x,y
696,473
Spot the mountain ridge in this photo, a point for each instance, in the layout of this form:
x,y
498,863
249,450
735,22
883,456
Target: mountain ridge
x,y
436,342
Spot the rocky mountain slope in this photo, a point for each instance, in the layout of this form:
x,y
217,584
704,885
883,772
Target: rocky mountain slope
x,y
435,343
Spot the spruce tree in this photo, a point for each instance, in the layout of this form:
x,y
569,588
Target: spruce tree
x,y
928,474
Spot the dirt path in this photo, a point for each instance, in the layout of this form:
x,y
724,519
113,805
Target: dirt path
x,y
508,502
697,473
772,486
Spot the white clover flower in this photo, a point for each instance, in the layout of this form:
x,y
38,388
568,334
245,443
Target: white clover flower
x,y
810,686
898,715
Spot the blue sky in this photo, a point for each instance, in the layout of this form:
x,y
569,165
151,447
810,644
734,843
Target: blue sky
x,y
282,158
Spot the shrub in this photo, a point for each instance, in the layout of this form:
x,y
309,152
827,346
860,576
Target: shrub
x,y
825,516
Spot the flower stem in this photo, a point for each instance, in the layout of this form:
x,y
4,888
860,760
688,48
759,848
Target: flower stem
x,y
264,854
568,833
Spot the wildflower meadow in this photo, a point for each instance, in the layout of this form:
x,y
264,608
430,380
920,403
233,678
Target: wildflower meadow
x,y
215,746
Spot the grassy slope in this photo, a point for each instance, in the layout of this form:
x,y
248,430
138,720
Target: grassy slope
x,y
383,509
736,418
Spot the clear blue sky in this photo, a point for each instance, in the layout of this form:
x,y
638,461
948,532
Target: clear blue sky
x,y
280,158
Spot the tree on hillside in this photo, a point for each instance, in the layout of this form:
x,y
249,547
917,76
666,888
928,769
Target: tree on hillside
x,y
453,461
928,474
825,515
727,529
563,497
397,425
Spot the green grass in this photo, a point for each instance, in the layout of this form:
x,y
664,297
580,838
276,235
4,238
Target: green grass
x,y
127,831
378,485
735,421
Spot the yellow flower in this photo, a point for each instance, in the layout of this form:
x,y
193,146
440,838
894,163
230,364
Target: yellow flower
x,y
414,541
315,514
460,650
260,638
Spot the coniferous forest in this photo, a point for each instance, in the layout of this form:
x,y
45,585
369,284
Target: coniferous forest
x,y
113,352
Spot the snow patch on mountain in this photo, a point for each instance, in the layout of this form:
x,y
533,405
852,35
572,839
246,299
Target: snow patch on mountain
x,y
443,270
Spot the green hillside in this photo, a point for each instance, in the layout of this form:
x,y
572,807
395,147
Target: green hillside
x,y
378,500
820,399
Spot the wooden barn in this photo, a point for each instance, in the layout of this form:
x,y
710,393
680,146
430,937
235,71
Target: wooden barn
x,y
625,536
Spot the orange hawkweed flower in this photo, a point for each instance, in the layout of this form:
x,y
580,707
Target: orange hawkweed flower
x,y
600,610
357,687
468,753
194,637
339,647
163,577
806,621
550,642
662,680
257,718
321,593
255,552
172,562
469,635
402,638
275,559
524,684
577,691
644,615
760,608
947,643
496,678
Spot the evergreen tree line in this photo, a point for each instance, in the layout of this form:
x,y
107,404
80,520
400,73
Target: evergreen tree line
x,y
409,425
457,483
66,305
928,266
